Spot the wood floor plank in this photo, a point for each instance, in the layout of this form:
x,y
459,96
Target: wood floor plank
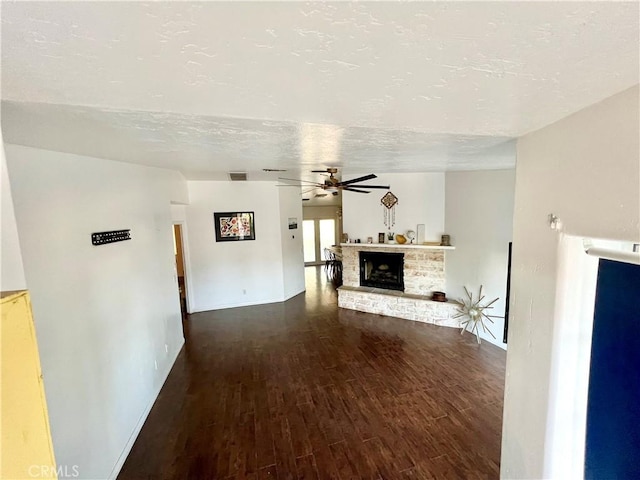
x,y
268,473
344,460
322,454
285,458
299,434
304,390
307,469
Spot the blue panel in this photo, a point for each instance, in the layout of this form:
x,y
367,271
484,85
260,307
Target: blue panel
x,y
613,409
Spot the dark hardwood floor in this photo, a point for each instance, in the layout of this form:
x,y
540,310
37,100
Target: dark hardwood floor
x,y
302,389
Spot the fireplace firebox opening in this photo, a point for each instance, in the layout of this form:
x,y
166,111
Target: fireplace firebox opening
x,y
382,270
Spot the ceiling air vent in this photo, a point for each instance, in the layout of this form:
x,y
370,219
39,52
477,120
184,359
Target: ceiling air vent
x,y
238,176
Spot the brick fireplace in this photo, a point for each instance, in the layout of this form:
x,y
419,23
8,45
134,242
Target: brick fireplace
x,y
422,270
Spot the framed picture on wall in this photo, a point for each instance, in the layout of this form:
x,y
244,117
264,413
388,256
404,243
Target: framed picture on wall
x,y
234,226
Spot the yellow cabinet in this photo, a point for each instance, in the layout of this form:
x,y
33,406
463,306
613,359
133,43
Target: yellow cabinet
x,y
26,448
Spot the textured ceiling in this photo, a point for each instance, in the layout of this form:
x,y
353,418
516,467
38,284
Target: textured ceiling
x,y
196,143
209,87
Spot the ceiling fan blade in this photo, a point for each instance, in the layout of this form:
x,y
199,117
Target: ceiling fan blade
x,y
298,180
320,195
319,171
386,187
349,189
359,179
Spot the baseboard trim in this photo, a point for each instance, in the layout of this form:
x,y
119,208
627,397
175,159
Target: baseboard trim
x,y
236,305
143,418
294,294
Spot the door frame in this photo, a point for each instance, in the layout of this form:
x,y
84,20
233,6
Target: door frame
x,y
186,262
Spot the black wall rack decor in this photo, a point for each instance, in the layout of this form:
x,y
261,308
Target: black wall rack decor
x,y
102,238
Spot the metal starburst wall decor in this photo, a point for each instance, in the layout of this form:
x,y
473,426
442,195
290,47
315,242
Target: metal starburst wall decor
x,y
473,313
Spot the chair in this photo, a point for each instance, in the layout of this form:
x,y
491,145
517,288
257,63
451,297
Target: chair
x,y
336,272
333,267
329,258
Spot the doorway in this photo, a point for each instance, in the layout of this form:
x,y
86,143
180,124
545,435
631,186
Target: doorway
x,y
178,250
317,234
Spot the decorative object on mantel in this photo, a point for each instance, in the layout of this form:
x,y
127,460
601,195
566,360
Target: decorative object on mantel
x,y
445,241
102,238
381,237
420,234
401,239
389,202
411,235
406,246
438,297
390,237
345,238
474,313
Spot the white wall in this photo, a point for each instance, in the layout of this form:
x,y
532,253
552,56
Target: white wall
x,y
479,218
313,212
11,266
107,317
178,213
232,274
586,170
420,200
291,242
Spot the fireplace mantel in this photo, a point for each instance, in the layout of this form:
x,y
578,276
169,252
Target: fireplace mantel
x,y
398,246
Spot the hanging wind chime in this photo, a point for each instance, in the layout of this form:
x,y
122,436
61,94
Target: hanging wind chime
x,y
389,202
